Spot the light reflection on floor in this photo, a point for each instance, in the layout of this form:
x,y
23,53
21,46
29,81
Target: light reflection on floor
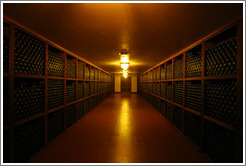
x,y
123,130
124,122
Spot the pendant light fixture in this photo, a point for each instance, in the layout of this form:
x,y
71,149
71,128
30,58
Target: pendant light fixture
x,y
124,62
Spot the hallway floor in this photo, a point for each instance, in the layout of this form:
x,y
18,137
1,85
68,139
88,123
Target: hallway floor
x,y
124,128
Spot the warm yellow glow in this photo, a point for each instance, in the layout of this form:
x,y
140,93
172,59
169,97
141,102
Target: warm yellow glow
x,y
125,74
124,62
124,66
124,59
123,128
124,125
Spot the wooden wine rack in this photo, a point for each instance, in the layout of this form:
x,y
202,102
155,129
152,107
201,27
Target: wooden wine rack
x,y
205,103
49,84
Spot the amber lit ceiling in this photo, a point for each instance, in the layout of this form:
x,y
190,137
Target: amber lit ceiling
x,y
152,32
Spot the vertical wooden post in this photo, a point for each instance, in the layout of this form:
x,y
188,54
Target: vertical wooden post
x,y
94,73
159,93
94,81
76,90
155,71
65,82
98,81
165,71
11,91
151,75
84,73
184,84
239,111
46,95
203,96
77,69
165,95
172,89
90,89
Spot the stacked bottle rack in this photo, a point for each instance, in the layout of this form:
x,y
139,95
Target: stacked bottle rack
x,y
200,92
46,90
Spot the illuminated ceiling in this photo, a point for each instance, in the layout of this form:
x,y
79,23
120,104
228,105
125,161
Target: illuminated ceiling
x,y
96,32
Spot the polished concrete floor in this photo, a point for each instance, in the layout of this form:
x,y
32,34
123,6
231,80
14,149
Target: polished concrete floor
x,y
124,128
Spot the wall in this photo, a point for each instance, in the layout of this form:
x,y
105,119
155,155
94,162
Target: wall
x,y
117,83
134,83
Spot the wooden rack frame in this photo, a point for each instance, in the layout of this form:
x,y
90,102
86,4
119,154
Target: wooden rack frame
x,y
146,78
104,78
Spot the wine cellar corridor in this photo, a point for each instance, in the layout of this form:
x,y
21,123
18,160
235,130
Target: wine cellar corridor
x,y
122,83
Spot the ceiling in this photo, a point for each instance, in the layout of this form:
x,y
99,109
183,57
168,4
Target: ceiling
x,y
96,32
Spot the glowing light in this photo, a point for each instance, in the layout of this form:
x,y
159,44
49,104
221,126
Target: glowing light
x,y
124,66
125,73
124,59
